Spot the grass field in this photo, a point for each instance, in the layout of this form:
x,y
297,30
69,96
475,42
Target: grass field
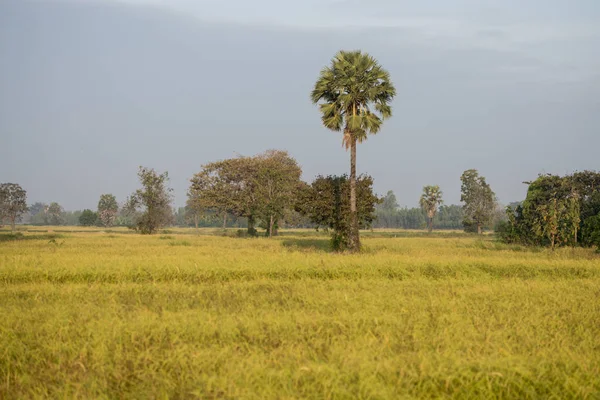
x,y
92,314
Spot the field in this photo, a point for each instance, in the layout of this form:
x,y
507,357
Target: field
x,y
93,314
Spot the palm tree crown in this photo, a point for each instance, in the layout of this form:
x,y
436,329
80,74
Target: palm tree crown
x,y
355,92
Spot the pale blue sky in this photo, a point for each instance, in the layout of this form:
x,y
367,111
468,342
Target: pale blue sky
x,y
92,89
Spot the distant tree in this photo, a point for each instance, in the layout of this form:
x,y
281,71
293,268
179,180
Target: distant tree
x,y
151,205
194,207
449,217
479,199
389,202
71,218
226,187
258,188
354,93
326,203
108,209
55,214
13,203
387,212
88,218
430,200
412,218
38,213
277,181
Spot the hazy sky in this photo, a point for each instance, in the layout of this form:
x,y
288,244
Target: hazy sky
x,y
90,90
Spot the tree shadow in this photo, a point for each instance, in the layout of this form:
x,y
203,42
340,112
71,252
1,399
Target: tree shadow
x,y
312,244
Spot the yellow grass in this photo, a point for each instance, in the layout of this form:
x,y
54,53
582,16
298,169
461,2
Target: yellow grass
x,y
87,314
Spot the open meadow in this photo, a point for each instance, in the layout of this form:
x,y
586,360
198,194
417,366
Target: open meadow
x,y
94,314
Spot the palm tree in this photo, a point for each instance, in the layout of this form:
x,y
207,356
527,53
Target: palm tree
x,y
430,200
354,93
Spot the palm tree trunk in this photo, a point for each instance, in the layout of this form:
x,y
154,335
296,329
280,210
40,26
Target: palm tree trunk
x,y
430,225
353,237
479,229
271,224
224,220
12,224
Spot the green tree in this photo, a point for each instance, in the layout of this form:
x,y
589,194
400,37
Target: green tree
x,y
327,204
278,177
154,200
449,217
107,210
259,187
227,187
88,218
430,200
38,215
13,203
387,212
55,214
479,199
354,95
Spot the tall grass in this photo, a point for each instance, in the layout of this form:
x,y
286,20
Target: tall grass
x,y
179,315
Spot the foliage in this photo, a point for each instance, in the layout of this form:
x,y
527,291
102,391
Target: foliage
x,y
430,200
353,94
556,211
55,214
227,186
278,179
108,209
71,218
88,218
13,203
327,204
591,231
154,199
479,199
263,186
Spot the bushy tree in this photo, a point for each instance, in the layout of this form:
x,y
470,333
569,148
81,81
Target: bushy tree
x,y
108,209
150,206
88,218
278,177
259,187
354,94
55,214
327,204
13,203
557,211
430,200
227,186
479,199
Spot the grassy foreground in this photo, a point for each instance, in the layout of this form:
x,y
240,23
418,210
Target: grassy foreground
x,y
92,314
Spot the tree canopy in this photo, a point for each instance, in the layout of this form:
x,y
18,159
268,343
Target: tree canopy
x,y
479,199
150,206
13,203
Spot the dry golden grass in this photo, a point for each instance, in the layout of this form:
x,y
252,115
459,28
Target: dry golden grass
x,y
93,314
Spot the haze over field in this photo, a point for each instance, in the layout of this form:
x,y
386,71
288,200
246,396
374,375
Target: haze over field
x,y
89,90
